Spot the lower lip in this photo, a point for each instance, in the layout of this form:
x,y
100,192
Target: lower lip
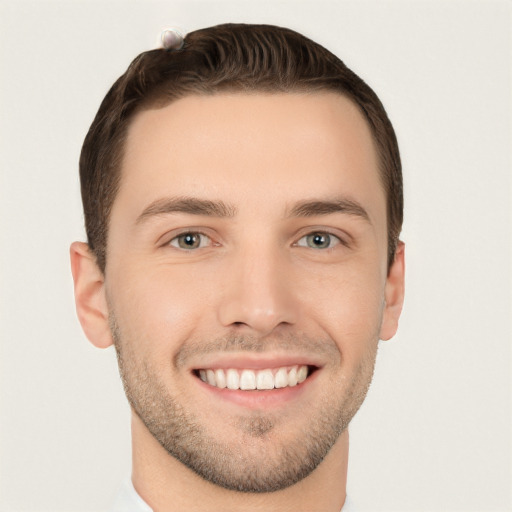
x,y
259,399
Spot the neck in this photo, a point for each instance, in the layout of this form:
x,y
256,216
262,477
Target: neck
x,y
166,484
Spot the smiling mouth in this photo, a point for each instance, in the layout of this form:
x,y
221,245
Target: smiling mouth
x,y
249,380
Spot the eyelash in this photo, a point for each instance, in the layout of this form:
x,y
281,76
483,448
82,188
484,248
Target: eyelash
x,y
174,242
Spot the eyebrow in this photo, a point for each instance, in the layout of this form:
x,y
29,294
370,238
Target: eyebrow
x,y
190,205
340,205
196,206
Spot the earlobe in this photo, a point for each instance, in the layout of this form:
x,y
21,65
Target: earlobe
x,y
394,294
90,299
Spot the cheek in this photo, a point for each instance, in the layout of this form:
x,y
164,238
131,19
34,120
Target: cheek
x,y
349,308
156,308
353,311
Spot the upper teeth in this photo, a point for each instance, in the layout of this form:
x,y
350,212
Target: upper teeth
x,y
255,379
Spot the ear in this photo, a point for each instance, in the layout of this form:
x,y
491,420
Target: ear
x,y
394,294
90,298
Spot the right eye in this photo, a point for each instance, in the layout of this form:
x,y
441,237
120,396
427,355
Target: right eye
x,y
190,241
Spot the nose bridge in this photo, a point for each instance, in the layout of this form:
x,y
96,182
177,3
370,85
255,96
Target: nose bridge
x,y
258,294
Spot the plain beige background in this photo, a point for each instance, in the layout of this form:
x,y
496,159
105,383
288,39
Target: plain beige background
x,y
435,431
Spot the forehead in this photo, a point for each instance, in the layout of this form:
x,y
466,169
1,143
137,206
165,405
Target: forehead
x,y
277,145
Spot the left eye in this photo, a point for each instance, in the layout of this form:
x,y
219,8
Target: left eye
x,y
190,241
319,240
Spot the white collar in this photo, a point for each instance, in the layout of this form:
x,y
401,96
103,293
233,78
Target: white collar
x,y
128,500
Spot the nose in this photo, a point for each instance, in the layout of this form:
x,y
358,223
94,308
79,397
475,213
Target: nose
x,y
258,295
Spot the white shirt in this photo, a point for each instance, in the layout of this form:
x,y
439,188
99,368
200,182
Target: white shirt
x,y
128,500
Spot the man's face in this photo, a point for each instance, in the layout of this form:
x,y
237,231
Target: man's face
x,y
247,247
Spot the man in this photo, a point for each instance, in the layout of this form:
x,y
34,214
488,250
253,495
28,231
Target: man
x,y
243,201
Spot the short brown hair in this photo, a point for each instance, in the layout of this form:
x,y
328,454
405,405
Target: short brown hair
x,y
225,58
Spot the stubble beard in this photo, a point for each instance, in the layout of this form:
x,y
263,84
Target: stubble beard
x,y
259,462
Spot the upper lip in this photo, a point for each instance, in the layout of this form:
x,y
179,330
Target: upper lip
x,y
254,362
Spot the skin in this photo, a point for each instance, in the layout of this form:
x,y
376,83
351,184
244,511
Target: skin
x,y
255,293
